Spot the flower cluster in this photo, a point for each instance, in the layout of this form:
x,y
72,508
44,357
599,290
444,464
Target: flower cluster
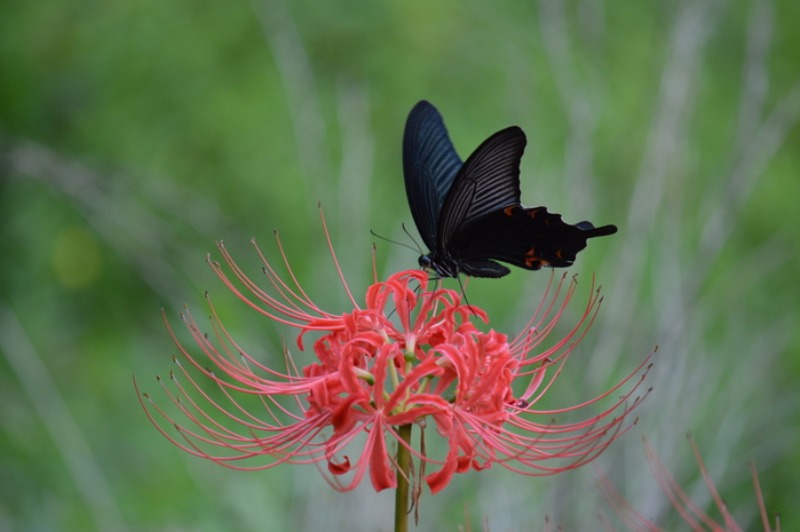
x,y
411,355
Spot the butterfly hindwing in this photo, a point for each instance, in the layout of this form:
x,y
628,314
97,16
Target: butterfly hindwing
x,y
527,237
430,164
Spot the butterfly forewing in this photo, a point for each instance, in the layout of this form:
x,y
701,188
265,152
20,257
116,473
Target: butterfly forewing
x,y
430,164
488,181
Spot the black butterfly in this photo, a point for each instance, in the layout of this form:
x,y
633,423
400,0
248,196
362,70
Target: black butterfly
x,y
469,215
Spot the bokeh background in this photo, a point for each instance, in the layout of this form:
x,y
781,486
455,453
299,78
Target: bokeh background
x,y
133,135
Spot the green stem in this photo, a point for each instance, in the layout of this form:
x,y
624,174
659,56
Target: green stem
x,y
403,486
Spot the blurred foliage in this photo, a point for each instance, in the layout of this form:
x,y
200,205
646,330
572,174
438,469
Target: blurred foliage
x,y
135,134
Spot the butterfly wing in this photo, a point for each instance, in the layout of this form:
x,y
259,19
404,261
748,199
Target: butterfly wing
x,y
488,181
529,238
430,164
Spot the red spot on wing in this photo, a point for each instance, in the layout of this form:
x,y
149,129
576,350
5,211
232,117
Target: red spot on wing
x,y
532,261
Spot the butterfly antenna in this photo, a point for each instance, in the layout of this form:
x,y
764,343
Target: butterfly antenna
x,y
414,240
376,235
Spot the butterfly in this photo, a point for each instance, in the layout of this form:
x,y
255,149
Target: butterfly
x,y
469,214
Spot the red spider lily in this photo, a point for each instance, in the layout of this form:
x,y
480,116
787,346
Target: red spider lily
x,y
411,354
694,516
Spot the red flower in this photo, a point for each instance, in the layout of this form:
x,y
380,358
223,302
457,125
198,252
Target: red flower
x,y
410,355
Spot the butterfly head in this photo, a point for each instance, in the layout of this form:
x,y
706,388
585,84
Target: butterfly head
x,y
442,267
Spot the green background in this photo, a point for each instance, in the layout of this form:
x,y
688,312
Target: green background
x,y
133,135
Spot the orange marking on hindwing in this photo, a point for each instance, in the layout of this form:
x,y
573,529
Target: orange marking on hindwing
x,y
530,258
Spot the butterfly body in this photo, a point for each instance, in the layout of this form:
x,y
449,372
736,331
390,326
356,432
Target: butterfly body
x,y
469,214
